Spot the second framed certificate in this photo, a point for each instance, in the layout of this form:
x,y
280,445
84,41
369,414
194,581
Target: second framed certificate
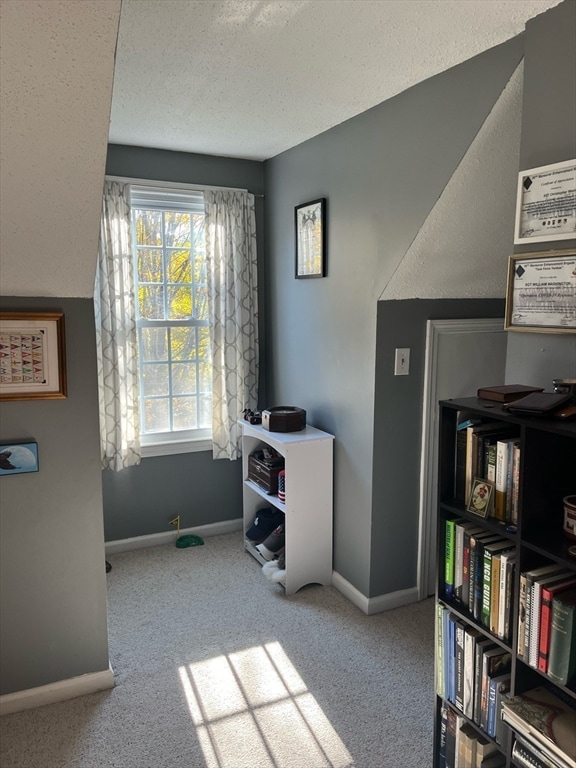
x,y
541,295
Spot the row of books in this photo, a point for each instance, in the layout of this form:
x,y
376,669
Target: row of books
x,y
479,568
473,672
461,746
546,621
488,451
544,723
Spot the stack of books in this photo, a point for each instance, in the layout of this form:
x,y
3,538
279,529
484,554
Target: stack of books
x,y
488,451
461,746
473,672
479,574
545,728
547,622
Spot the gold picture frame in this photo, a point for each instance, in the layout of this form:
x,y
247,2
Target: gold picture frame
x,y
32,356
541,292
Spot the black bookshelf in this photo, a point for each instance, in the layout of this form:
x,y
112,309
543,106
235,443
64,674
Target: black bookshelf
x,y
547,473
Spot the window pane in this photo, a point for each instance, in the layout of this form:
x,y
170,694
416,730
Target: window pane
x,y
184,379
204,351
205,415
183,343
179,301
176,229
205,373
184,413
154,344
151,302
178,267
148,225
157,415
155,379
150,268
201,302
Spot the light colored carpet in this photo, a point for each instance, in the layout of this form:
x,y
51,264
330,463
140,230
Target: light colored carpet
x,y
216,668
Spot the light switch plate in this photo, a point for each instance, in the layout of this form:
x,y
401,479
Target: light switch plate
x,y
402,362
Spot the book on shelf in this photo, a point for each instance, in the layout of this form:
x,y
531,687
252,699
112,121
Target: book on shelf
x,y
525,755
453,725
562,659
467,746
546,720
471,637
482,645
462,531
507,393
549,592
459,627
536,611
498,685
507,567
527,579
477,546
449,553
502,486
487,753
515,483
491,549
476,436
495,661
442,737
439,629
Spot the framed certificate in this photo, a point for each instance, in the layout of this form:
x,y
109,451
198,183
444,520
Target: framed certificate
x,y
541,294
546,203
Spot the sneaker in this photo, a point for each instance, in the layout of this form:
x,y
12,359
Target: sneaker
x,y
266,521
272,546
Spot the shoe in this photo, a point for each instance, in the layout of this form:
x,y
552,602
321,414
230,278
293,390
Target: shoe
x,y
272,546
266,521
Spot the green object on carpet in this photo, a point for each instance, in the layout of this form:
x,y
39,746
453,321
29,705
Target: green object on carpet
x,y
189,541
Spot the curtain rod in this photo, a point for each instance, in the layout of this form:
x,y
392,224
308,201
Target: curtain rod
x,y
173,184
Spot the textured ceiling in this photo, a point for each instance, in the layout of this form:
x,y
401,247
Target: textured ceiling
x,y
252,78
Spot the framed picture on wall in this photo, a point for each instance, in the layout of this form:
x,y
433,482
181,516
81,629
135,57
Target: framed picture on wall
x,y
541,293
310,238
18,457
546,203
32,356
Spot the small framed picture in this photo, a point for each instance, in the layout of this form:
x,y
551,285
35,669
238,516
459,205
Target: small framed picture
x,y
18,457
310,238
32,356
481,497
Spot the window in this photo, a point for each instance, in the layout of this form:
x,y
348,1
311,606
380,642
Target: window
x,y
172,319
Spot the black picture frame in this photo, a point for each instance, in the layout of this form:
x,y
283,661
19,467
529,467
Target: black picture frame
x,y
310,239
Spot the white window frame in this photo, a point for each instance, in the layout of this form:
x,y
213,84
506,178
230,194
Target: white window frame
x,y
164,198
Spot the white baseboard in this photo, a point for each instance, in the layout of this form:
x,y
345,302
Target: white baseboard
x,y
169,537
370,605
54,692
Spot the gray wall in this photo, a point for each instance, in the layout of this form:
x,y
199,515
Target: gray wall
x,y
141,500
548,136
382,173
398,433
52,574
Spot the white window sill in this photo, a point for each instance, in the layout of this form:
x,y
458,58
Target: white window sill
x,y
173,447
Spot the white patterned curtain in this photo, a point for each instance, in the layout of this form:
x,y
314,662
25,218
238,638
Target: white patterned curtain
x,y
233,301
116,342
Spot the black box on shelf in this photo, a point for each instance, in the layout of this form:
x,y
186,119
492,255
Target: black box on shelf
x,y
265,473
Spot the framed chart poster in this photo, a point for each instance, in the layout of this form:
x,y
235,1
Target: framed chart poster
x,y
546,203
541,294
32,356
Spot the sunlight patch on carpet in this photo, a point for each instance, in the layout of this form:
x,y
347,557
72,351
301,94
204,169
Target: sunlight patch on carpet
x,y
252,708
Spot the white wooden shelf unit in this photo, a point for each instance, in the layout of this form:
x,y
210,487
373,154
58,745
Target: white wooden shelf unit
x,y
308,464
